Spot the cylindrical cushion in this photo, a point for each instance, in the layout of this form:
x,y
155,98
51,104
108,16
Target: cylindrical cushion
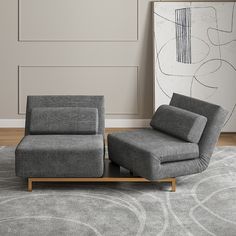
x,y
64,120
178,122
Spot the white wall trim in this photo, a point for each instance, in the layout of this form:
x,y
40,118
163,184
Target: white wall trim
x,y
12,123
109,123
127,123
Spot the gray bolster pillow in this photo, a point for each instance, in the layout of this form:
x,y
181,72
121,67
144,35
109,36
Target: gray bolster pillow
x,y
64,120
178,122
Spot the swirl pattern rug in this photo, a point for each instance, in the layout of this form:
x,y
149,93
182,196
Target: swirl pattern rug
x,y
204,204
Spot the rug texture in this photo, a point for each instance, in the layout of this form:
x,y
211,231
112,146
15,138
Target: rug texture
x,y
204,204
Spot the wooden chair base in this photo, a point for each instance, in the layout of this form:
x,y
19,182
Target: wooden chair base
x,y
112,173
102,179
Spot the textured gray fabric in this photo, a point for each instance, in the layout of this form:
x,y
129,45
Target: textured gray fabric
x,y
179,122
60,156
64,120
66,101
145,151
202,205
215,115
143,163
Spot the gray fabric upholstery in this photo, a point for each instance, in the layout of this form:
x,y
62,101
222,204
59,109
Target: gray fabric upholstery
x,y
131,151
67,155
64,120
66,101
215,115
144,150
179,122
60,156
162,146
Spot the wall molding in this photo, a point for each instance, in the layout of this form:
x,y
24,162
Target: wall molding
x,y
109,123
19,38
80,66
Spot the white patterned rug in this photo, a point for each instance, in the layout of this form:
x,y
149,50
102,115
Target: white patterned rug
x,y
204,204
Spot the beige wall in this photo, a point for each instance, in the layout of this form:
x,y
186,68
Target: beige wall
x,y
77,47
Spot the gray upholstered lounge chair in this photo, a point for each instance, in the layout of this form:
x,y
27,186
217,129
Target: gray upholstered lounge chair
x,y
64,137
180,142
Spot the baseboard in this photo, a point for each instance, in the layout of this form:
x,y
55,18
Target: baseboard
x,y
12,123
109,123
127,123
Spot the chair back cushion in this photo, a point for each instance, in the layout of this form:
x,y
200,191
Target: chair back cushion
x,y
55,101
179,122
64,120
215,115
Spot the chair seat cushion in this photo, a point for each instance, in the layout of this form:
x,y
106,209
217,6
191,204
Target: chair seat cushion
x,y
64,120
60,156
142,151
162,146
178,122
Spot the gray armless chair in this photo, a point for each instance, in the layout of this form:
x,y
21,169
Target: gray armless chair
x,y
64,137
180,142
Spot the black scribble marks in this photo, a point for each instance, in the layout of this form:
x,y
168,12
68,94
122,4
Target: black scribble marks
x,y
183,35
224,33
212,87
158,52
183,22
230,115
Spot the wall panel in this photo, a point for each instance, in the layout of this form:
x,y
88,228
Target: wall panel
x,y
77,46
119,85
78,20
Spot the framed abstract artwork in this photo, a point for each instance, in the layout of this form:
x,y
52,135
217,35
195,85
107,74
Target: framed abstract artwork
x,y
195,53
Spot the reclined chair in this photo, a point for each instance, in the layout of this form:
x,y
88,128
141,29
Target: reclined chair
x,y
180,142
64,138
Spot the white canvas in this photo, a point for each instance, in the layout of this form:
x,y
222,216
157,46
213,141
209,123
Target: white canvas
x,y
195,53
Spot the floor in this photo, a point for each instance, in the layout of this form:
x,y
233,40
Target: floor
x,y
203,204
12,136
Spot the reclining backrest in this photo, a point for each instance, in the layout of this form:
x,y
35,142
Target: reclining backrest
x,y
215,115
66,101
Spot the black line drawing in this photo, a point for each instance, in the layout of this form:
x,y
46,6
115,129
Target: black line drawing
x,y
157,62
183,24
224,32
197,80
230,115
183,35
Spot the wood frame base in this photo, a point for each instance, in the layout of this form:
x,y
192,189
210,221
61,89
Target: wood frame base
x,y
102,179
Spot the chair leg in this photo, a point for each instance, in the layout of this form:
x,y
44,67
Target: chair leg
x,y
172,181
30,185
173,185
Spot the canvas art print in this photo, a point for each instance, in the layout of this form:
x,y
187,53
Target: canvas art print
x,y
195,53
